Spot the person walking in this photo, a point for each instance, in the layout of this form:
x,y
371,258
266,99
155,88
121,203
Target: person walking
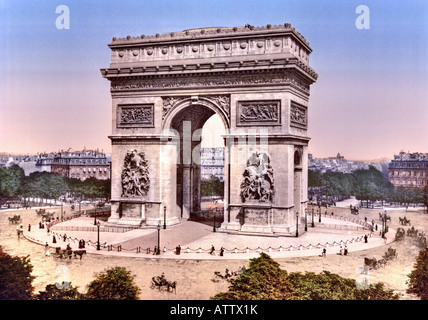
x,y
221,251
47,253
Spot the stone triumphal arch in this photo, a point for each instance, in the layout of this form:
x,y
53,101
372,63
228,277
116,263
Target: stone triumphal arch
x,y
165,87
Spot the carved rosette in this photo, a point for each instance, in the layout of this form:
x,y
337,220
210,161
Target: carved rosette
x,y
135,175
258,183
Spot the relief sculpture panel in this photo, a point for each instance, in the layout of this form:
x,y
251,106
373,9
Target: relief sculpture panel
x,y
135,175
259,113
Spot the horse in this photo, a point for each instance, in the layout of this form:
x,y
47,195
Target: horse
x,y
172,285
79,253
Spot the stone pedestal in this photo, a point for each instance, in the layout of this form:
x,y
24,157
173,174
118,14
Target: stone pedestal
x,y
257,217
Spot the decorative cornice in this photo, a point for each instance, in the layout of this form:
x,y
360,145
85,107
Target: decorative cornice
x,y
209,66
211,32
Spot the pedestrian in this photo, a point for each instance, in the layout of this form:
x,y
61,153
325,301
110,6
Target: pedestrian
x,y
29,227
324,252
221,251
155,250
345,251
340,251
212,250
47,253
365,238
178,250
53,239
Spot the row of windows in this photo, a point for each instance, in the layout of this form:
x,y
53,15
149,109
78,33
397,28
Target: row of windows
x,y
409,173
81,161
410,182
409,164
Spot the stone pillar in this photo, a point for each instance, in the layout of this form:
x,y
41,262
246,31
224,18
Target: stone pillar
x,y
187,191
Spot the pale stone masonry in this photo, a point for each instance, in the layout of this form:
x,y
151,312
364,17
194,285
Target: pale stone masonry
x,y
409,170
165,87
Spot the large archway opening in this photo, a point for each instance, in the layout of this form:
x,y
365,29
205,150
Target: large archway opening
x,y
200,152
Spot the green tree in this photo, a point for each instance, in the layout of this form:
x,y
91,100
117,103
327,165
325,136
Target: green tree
x,y
262,280
113,284
52,292
418,278
11,180
330,286
212,187
15,277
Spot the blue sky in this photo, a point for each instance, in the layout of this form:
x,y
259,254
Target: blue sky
x,y
370,100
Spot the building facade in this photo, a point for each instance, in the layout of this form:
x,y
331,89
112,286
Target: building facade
x,y
409,170
82,165
212,163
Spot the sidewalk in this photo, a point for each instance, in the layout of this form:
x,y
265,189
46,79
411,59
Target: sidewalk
x,y
196,240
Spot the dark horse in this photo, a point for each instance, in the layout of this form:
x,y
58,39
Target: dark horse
x,y
79,253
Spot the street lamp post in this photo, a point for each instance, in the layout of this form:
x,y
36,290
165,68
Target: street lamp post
x,y
95,215
159,228
98,240
313,222
306,219
215,211
164,217
297,224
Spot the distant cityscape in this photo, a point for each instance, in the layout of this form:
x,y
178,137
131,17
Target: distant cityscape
x,y
340,164
405,170
71,164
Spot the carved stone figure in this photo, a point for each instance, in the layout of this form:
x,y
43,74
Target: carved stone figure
x,y
135,175
258,181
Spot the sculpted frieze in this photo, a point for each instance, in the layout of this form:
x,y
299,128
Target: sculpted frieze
x,y
259,112
298,115
135,115
210,80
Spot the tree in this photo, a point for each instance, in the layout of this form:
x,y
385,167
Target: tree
x,y
418,278
212,187
263,280
11,180
113,284
330,286
15,277
52,292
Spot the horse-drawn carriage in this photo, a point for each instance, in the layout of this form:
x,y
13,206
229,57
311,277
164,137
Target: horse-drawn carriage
x,y
412,232
161,283
15,219
45,215
354,210
383,216
68,253
377,263
227,274
374,263
390,254
404,221
400,234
